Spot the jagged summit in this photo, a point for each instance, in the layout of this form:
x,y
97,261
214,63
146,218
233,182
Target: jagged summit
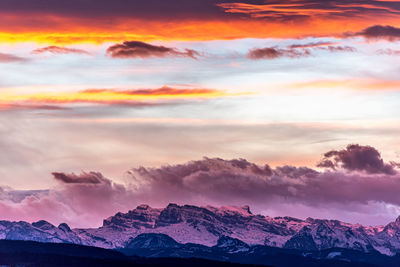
x,y
173,213
143,207
65,227
42,224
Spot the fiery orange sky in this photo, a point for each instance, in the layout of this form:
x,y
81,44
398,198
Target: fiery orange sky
x,y
103,21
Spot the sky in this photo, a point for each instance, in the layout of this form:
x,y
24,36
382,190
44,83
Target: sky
x,y
291,107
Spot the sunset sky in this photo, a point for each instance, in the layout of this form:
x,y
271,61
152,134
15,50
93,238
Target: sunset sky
x,y
118,103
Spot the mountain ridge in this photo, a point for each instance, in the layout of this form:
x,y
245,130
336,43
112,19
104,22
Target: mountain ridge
x,y
206,225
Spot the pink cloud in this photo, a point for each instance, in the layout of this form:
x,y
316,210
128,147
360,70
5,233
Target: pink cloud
x,y
358,183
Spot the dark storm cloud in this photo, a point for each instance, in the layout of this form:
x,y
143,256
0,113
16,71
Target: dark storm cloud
x,y
357,158
137,49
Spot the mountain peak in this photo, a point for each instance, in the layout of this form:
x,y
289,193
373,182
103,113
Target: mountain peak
x,y
247,208
172,205
242,211
143,207
42,224
64,227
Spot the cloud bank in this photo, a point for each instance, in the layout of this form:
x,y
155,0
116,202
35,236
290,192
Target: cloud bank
x,y
357,179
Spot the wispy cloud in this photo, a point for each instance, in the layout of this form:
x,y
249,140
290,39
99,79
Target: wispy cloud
x,y
297,50
134,97
273,53
353,84
7,58
137,49
388,52
59,50
27,106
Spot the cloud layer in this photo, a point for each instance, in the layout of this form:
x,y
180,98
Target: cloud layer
x,y
359,180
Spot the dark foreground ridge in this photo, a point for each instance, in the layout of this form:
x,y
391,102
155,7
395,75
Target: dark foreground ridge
x,y
28,253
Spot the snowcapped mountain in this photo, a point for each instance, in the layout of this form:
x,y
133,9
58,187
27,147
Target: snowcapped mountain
x,y
231,229
40,231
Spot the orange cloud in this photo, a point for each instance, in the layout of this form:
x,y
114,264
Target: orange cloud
x,y
301,9
187,31
353,84
139,97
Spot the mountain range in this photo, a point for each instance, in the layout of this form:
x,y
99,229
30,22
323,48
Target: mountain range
x,y
181,231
